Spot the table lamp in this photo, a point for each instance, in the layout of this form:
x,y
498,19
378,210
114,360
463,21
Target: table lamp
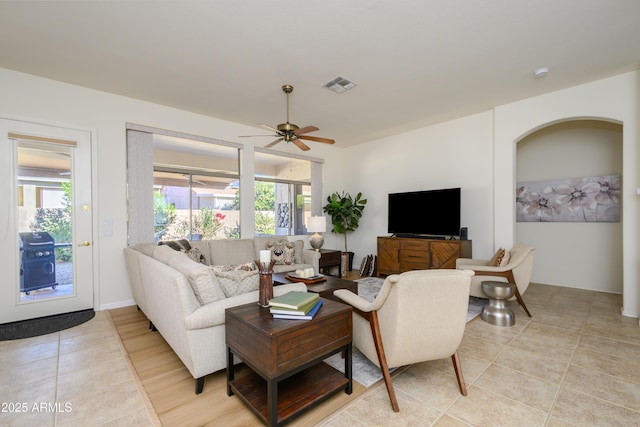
x,y
316,225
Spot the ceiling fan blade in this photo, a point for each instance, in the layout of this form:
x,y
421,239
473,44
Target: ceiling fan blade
x,y
251,136
273,143
305,129
269,127
317,139
301,145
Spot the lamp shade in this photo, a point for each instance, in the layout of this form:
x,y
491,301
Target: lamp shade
x,y
317,224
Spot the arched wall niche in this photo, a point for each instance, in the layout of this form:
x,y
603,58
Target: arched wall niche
x,y
591,252
563,120
615,99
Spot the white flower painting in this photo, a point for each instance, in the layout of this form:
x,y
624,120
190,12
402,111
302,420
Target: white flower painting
x,y
589,199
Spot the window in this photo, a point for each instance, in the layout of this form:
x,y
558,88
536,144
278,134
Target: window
x,y
283,193
196,190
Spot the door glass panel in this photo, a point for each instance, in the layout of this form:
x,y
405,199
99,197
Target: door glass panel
x,y
45,221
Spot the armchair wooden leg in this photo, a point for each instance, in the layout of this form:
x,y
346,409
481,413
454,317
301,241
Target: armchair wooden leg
x,y
458,368
382,359
521,302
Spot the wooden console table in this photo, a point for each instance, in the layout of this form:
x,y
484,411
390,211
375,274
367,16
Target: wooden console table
x,y
285,357
400,254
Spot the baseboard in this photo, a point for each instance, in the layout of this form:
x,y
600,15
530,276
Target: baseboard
x,y
118,304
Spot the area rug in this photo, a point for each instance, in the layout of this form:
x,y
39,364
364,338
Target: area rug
x,y
44,325
365,372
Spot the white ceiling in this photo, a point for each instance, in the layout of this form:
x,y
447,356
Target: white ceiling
x,y
416,62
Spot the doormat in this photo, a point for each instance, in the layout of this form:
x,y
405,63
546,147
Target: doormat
x,y
44,325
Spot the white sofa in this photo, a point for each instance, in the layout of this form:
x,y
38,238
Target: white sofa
x,y
167,287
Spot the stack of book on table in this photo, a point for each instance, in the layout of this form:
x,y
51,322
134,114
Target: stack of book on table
x,y
295,305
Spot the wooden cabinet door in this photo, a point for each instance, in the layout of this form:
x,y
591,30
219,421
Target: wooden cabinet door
x,y
444,254
388,255
414,254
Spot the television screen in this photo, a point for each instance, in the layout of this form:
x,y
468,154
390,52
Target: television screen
x,y
431,213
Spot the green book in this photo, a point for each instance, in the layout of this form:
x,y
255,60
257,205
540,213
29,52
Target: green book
x,y
294,299
304,309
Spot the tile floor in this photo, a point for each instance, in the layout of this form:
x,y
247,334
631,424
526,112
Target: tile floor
x,y
575,363
76,377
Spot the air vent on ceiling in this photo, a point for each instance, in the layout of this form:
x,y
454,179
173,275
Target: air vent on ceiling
x,y
340,84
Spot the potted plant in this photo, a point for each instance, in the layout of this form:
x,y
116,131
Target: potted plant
x,y
345,212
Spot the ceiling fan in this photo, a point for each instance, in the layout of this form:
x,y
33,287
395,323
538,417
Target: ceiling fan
x,y
292,133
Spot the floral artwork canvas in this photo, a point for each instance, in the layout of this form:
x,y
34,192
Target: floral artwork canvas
x,y
588,199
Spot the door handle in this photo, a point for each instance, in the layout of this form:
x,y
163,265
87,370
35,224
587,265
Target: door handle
x,y
85,243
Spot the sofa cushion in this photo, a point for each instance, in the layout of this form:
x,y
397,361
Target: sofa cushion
x,y
231,251
238,282
282,252
202,280
162,253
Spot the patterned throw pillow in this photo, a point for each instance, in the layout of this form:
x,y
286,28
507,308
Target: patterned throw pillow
x,y
183,245
196,255
505,259
497,258
282,251
238,282
249,266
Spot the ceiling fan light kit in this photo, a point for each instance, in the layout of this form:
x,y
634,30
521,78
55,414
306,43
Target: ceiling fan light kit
x,y
290,132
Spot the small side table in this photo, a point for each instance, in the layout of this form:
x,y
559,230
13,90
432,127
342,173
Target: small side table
x,y
286,374
496,312
330,258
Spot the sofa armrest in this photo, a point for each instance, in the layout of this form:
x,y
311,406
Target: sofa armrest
x,y
213,314
312,257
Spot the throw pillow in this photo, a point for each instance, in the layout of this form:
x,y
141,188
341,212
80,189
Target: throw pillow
x,y
196,255
202,280
505,259
183,245
282,251
177,245
249,266
238,282
497,258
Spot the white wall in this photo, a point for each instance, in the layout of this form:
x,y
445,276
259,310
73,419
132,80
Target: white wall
x,y
614,99
457,153
575,254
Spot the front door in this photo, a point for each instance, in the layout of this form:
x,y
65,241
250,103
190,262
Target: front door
x,y
45,220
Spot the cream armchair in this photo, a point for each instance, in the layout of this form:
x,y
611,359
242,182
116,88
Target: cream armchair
x,y
417,316
517,271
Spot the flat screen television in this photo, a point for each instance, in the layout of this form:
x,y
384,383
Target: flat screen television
x,y
425,213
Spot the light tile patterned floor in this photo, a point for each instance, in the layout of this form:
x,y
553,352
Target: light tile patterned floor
x,y
76,377
575,363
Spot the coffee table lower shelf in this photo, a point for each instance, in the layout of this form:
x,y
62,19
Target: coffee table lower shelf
x,y
296,393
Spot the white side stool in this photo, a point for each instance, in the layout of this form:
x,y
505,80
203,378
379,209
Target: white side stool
x,y
496,312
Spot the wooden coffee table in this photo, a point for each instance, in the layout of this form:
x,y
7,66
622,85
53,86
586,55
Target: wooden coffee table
x,y
325,288
286,374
